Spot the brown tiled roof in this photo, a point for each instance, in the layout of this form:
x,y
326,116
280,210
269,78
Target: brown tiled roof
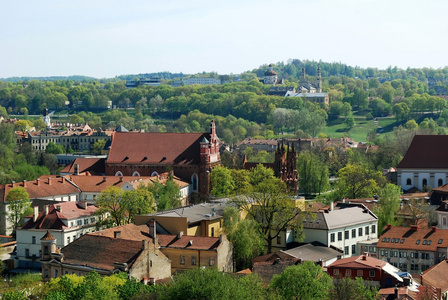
x,y
53,220
134,232
58,186
437,276
426,151
155,148
251,141
275,257
409,236
48,237
94,166
358,262
252,165
101,252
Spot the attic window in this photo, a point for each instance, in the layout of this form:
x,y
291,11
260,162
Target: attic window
x,y
393,240
383,240
424,242
417,242
440,241
429,242
402,241
387,240
318,221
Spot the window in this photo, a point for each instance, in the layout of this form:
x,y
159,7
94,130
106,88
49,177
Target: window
x,y
353,233
56,273
86,221
440,182
33,240
340,236
347,234
213,234
359,273
373,229
182,260
387,240
424,182
417,242
336,272
384,239
27,252
92,220
279,240
193,260
68,240
46,272
79,222
429,242
444,221
395,254
402,241
440,241
372,273
408,181
367,230
332,238
416,255
360,231
348,272
211,261
45,250
353,249
382,252
386,253
393,241
346,250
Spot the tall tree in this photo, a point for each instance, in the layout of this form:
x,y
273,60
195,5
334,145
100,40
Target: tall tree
x,y
110,202
137,202
389,205
313,173
18,203
358,181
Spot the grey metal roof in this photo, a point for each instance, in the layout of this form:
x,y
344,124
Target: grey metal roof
x,y
195,213
314,252
338,218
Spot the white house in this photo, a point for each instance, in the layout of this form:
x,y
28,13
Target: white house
x,y
425,163
341,227
66,221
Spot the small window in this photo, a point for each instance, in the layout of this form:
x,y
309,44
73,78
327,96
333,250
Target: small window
x,y
353,249
279,240
347,234
393,241
348,272
418,242
429,242
68,240
182,260
373,229
346,249
424,242
340,236
193,260
440,241
211,261
383,240
440,182
408,181
359,273
360,231
424,182
387,240
367,230
332,236
33,240
353,233
402,241
336,272
372,273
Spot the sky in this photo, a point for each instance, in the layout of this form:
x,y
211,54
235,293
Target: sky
x,y
107,38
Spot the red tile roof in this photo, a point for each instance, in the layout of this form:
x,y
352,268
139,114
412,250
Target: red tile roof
x,y
94,166
155,148
358,262
48,186
140,232
410,237
53,220
426,151
437,276
101,252
48,237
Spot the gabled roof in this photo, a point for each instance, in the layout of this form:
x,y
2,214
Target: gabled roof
x,y
101,252
426,151
195,213
54,218
155,148
337,218
44,186
94,166
313,251
422,239
360,262
437,276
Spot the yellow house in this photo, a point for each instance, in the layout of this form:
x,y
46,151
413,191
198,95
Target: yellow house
x,y
194,220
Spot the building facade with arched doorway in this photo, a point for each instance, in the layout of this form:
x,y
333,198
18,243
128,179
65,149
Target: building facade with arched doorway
x,y
191,156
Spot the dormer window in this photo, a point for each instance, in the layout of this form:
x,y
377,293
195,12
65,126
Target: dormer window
x,y
440,241
418,242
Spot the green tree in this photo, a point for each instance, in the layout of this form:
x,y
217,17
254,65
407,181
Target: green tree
x,y
306,281
137,202
18,203
349,121
272,209
54,149
98,146
353,289
259,174
313,173
166,195
39,124
358,181
221,182
389,205
110,201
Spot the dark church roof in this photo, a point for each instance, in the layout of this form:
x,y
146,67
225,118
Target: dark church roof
x,y
427,151
155,148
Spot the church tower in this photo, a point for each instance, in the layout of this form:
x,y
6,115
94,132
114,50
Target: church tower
x,y
270,76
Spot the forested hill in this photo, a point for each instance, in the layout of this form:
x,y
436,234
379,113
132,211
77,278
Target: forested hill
x,y
290,70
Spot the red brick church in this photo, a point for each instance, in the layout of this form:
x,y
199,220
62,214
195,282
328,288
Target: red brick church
x,y
191,156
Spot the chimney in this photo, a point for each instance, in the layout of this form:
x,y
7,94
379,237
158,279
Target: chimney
x,y
434,228
12,183
117,234
180,234
414,227
152,228
389,226
144,244
121,178
76,169
24,183
331,206
63,179
46,209
35,213
82,204
49,180
38,182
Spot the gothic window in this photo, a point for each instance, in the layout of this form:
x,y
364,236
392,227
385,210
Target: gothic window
x,y
408,181
194,181
440,182
119,173
136,174
154,174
